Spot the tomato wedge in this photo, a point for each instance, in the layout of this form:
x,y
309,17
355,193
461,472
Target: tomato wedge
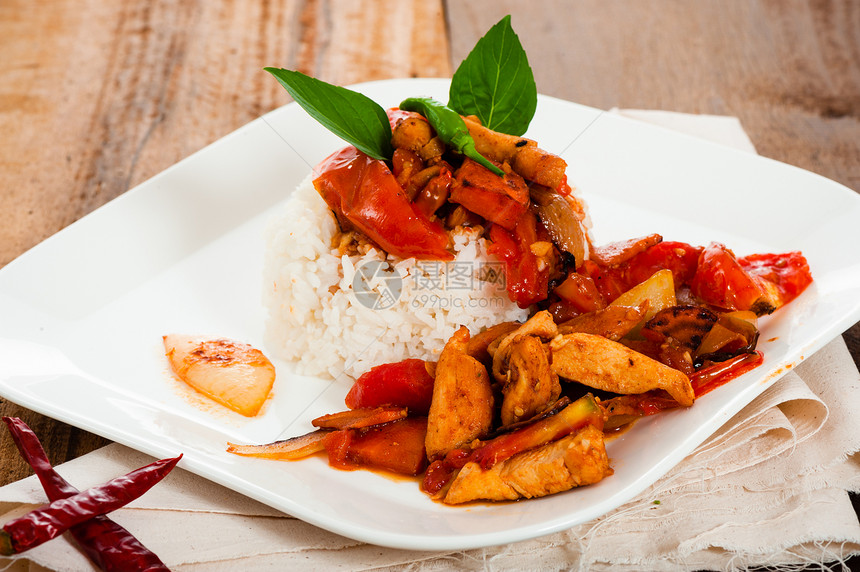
x,y
363,192
679,257
722,281
789,272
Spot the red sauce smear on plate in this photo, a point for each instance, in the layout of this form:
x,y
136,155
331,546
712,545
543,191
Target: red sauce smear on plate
x,y
712,377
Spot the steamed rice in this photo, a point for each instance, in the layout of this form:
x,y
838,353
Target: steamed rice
x,y
317,321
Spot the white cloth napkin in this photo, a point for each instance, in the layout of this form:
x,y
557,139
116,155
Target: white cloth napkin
x,y
770,487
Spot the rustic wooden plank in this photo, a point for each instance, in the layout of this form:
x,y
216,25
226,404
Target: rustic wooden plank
x,y
96,97
61,442
790,70
117,92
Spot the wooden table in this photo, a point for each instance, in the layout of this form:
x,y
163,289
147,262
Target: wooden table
x,y
96,97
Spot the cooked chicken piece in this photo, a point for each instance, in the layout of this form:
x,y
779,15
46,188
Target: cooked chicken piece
x,y
576,460
462,406
620,252
233,374
604,364
540,325
612,322
432,151
411,131
479,343
532,386
524,156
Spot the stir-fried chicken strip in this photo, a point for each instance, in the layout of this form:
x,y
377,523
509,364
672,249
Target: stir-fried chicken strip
x,y
411,131
576,460
604,364
524,156
540,325
616,253
479,343
532,386
462,406
612,322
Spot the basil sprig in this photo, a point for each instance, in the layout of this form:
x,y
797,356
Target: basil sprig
x,y
496,83
353,117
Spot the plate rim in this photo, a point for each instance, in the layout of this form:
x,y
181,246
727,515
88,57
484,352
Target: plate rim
x,y
392,539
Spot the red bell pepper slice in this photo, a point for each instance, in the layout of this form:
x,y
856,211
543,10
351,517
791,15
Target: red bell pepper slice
x,y
581,293
502,200
364,192
720,373
396,447
402,384
609,281
526,283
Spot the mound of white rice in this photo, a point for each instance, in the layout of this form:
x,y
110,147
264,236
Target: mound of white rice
x,y
319,321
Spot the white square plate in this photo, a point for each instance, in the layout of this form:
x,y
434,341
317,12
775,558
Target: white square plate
x,y
82,314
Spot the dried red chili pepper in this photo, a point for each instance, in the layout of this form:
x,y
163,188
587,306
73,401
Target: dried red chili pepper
x,y
107,544
48,522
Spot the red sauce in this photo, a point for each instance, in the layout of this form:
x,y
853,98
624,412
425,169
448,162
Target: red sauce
x,y
712,377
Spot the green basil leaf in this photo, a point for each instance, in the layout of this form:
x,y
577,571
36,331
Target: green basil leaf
x,y
496,83
353,117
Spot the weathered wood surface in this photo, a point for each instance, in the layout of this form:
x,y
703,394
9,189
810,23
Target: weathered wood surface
x,y
96,97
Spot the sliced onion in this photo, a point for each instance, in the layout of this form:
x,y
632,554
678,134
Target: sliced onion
x,y
359,418
287,450
560,221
